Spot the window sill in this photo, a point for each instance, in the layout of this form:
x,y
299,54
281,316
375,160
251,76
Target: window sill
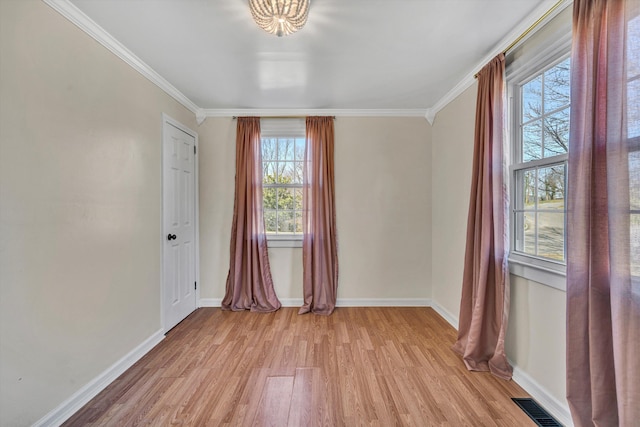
x,y
284,241
528,269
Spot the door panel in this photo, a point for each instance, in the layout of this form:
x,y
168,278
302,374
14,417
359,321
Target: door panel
x,y
179,200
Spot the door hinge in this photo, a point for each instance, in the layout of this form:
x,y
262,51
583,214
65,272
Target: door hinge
x,y
195,285
194,149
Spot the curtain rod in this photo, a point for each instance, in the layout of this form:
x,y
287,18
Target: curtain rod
x,y
528,30
287,117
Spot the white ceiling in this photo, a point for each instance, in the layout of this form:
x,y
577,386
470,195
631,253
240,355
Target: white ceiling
x,y
352,54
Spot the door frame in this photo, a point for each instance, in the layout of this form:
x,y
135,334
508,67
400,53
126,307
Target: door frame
x,y
169,121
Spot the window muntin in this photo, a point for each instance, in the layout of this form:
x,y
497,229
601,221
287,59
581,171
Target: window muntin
x,y
282,168
540,166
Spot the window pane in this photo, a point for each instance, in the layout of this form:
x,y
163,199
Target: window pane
x,y
297,173
532,99
635,244
285,173
268,148
269,197
634,180
633,53
529,187
551,235
285,198
556,86
270,221
285,148
531,141
551,188
285,222
269,172
298,221
526,229
544,192
299,154
556,133
298,199
633,108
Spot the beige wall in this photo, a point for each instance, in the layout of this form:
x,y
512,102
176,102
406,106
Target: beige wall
x,y
451,175
535,340
216,169
383,196
80,189
383,202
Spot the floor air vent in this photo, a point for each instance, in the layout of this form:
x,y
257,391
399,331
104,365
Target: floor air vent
x,y
536,412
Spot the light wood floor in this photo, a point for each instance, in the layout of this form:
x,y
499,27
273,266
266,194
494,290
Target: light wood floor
x,y
359,366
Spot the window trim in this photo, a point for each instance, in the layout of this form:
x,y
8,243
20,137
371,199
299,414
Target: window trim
x,y
284,240
519,71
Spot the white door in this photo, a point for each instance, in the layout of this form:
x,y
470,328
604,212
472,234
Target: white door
x,y
179,230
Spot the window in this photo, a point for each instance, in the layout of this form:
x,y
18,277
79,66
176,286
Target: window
x,y
538,88
540,164
283,145
282,184
539,104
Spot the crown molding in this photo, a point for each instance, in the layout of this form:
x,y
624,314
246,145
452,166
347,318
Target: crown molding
x,y
86,24
430,115
313,112
525,24
200,116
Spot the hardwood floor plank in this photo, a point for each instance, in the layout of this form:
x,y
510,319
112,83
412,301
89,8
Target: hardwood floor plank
x,y
378,366
302,398
273,410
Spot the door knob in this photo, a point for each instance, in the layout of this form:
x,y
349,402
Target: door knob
x,y
171,237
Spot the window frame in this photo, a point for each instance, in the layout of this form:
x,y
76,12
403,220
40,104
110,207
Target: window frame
x,y
520,71
282,129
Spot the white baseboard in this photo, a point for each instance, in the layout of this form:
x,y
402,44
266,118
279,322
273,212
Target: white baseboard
x,y
209,302
217,302
342,302
558,409
383,302
70,406
446,314
291,302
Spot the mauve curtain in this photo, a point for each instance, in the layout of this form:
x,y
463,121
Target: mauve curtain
x,y
484,306
603,216
319,244
249,283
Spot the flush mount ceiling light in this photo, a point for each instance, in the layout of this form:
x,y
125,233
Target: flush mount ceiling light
x,y
280,17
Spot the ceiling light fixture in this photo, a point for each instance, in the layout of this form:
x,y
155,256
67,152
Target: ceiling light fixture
x,y
280,17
